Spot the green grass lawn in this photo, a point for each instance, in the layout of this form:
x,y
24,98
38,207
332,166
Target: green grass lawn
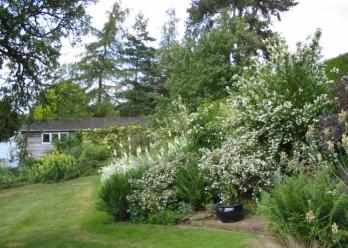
x,y
65,215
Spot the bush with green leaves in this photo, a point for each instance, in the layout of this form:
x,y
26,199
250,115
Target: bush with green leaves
x,y
337,67
241,168
309,210
155,190
54,167
165,217
8,177
119,139
93,156
71,144
278,100
209,127
190,185
275,103
170,120
114,192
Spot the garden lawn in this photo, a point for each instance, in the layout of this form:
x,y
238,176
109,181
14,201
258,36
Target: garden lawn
x,y
65,215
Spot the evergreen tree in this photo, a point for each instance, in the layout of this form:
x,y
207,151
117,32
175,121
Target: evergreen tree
x,y
138,57
100,67
169,30
165,54
257,13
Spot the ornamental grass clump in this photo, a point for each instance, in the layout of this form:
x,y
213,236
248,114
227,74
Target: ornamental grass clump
x,y
309,210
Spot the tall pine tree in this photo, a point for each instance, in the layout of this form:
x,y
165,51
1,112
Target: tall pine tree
x,y
100,67
138,58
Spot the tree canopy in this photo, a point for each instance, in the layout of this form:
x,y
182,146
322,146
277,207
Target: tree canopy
x,y
99,68
30,42
10,120
138,56
65,100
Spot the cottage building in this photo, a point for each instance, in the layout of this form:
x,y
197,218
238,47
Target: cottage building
x,y
40,134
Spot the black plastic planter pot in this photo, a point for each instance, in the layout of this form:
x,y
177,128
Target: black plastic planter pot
x,y
230,212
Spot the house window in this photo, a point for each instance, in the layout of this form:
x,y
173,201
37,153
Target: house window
x,y
46,138
55,136
62,136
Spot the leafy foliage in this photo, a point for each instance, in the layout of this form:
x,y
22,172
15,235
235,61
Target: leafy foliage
x,y
114,192
10,120
241,168
210,125
156,188
337,67
65,100
119,139
8,177
93,156
98,69
53,167
165,217
309,209
190,186
31,35
279,100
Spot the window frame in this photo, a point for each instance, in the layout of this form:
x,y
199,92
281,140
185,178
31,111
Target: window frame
x,y
60,135
50,138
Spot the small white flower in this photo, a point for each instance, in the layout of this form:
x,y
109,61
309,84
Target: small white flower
x,y
334,228
310,216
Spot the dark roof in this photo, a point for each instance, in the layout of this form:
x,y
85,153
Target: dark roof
x,y
81,124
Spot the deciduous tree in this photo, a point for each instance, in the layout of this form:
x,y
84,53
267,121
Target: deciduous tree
x,y
30,42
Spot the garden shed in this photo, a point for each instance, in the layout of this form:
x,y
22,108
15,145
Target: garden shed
x,y
39,135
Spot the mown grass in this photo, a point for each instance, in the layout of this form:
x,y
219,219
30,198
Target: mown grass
x,y
65,215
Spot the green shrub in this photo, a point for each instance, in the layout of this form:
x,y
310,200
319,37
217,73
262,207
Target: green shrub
x,y
54,167
8,178
71,144
113,197
190,186
341,63
114,192
164,217
209,126
309,210
119,139
93,156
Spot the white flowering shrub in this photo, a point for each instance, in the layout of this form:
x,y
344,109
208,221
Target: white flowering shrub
x,y
241,167
275,103
279,99
156,189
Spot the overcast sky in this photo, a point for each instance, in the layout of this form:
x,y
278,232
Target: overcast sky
x,y
296,25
